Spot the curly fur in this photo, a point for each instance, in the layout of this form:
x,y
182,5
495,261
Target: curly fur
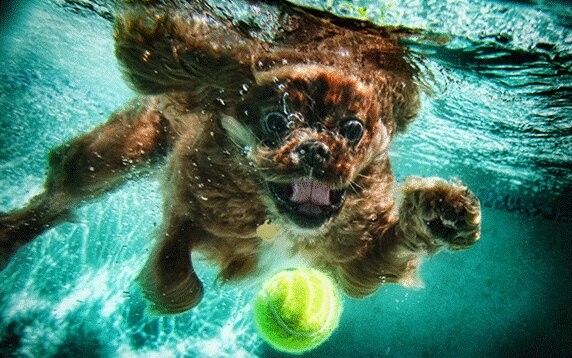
x,y
207,85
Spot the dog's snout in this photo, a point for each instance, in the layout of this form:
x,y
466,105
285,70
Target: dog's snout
x,y
314,154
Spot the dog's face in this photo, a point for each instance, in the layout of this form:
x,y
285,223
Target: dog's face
x,y
312,131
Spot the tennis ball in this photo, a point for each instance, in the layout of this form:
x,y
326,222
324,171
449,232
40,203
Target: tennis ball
x,y
297,310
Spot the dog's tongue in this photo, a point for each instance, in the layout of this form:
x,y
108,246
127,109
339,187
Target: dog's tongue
x,y
311,192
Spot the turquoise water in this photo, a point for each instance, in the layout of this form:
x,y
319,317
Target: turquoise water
x,y
497,113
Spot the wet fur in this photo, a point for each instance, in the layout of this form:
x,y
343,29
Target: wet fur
x,y
204,85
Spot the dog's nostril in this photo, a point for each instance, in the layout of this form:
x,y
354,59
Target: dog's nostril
x,y
314,153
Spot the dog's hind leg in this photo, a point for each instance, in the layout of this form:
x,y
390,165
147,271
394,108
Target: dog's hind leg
x,y
91,164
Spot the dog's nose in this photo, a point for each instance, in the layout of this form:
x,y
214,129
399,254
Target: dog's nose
x,y
314,154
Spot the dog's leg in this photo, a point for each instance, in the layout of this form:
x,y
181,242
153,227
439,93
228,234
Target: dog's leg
x,y
168,279
85,167
434,214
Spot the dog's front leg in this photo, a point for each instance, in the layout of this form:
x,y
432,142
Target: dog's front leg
x,y
168,279
85,167
434,214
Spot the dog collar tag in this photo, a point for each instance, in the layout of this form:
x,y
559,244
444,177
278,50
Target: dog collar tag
x,y
267,231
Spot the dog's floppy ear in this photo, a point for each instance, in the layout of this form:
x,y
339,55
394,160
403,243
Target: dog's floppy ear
x,y
375,53
165,48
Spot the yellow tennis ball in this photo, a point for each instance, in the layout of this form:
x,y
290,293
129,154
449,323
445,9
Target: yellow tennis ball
x,y
297,310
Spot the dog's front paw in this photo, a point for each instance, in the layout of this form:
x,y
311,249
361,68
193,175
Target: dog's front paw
x,y
447,212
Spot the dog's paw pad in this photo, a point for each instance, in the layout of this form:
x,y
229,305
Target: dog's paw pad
x,y
446,213
453,216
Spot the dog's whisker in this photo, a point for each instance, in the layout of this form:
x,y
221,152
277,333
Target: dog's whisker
x,y
366,177
356,187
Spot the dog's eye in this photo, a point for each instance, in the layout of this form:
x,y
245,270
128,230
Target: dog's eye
x,y
276,123
352,129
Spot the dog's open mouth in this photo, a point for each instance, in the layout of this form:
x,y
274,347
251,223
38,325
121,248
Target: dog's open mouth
x,y
308,203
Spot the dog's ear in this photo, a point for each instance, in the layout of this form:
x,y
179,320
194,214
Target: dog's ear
x,y
166,49
375,53
211,50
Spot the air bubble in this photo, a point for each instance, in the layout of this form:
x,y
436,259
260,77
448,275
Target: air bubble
x,y
243,89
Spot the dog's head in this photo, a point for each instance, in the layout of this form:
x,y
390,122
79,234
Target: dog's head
x,y
313,107
310,131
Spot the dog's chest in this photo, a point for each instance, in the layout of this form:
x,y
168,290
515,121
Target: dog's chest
x,y
227,196
279,253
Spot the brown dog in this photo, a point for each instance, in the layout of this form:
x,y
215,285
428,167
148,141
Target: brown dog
x,y
286,121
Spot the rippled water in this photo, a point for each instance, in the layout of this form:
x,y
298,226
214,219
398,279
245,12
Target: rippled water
x,y
499,107
497,113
